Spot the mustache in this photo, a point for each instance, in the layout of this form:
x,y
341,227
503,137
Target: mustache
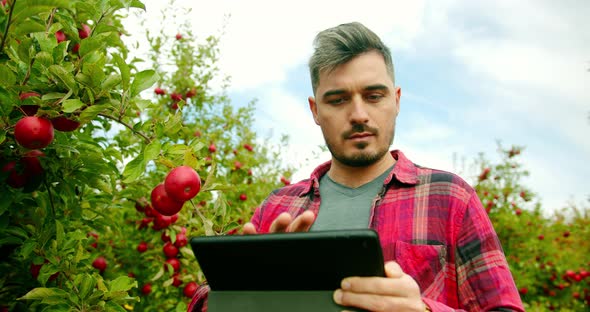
x,y
359,128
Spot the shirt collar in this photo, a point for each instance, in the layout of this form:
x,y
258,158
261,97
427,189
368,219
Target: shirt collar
x,y
404,172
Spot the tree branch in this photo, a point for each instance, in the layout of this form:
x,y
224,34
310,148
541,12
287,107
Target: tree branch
x,y
145,137
7,26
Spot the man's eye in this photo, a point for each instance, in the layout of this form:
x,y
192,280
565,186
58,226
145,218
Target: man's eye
x,y
375,97
336,101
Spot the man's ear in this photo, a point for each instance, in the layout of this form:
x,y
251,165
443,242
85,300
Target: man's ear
x,y
313,108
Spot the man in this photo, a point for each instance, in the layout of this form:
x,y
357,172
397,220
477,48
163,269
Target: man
x,y
441,251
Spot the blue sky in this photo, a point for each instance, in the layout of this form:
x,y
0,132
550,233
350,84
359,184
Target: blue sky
x,y
471,73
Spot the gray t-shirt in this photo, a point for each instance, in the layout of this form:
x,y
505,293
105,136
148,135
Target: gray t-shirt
x,y
342,207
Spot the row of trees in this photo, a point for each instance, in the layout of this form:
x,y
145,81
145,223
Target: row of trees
x,y
87,135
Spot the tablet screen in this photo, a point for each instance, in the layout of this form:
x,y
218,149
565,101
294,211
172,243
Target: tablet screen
x,y
288,261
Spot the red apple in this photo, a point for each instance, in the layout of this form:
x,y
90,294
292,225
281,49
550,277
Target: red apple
x,y
248,147
198,134
159,91
178,36
142,247
29,110
161,222
181,240
190,289
84,32
149,211
145,222
237,165
190,93
33,132
212,148
176,97
170,250
60,36
100,263
176,281
64,124
15,178
243,197
25,95
175,263
163,203
165,237
146,289
182,183
76,48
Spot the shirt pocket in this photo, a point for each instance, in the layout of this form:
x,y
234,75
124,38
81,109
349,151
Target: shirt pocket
x,y
422,262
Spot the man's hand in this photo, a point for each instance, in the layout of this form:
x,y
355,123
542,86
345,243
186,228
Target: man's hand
x,y
396,292
285,223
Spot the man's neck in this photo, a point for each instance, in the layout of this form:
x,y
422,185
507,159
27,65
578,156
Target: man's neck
x,y
354,177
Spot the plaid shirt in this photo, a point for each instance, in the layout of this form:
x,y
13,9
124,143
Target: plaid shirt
x,y
432,224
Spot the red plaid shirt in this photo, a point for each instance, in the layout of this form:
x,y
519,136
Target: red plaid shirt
x,y
429,221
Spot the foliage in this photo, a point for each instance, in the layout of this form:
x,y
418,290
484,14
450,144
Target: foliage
x,y
544,252
87,198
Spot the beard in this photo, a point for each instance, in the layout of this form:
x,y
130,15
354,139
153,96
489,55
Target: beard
x,y
360,157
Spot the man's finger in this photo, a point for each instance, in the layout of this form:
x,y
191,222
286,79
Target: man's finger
x,y
392,269
249,229
302,223
281,223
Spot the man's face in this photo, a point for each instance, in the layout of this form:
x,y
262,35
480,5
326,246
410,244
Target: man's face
x,y
356,106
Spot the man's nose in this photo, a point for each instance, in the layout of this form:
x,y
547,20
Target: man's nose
x,y
358,111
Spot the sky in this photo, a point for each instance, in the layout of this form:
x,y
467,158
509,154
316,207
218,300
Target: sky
x,y
472,73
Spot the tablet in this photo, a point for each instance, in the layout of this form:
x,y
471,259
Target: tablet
x,y
288,261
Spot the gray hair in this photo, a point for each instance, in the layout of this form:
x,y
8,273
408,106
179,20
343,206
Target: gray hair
x,y
338,45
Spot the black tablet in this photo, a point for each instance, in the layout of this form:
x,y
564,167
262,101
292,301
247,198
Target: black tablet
x,y
288,261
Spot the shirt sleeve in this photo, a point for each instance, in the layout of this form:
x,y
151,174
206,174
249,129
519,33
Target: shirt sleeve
x,y
484,279
199,300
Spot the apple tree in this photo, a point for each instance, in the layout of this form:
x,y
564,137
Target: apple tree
x,y
547,253
88,134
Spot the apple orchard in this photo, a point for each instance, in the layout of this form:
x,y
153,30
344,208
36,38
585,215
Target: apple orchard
x,y
108,169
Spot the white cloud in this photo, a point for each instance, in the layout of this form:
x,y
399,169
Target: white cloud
x,y
526,60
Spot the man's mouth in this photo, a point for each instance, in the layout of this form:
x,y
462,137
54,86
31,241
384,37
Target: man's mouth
x,y
360,135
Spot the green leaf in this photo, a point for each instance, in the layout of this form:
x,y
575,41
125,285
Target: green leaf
x,y
60,73
27,8
134,169
152,150
7,77
93,43
113,307
41,293
124,70
181,307
173,124
59,232
122,283
29,26
143,80
137,4
87,285
190,159
44,58
177,149
52,96
110,82
92,111
70,106
10,240
2,138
